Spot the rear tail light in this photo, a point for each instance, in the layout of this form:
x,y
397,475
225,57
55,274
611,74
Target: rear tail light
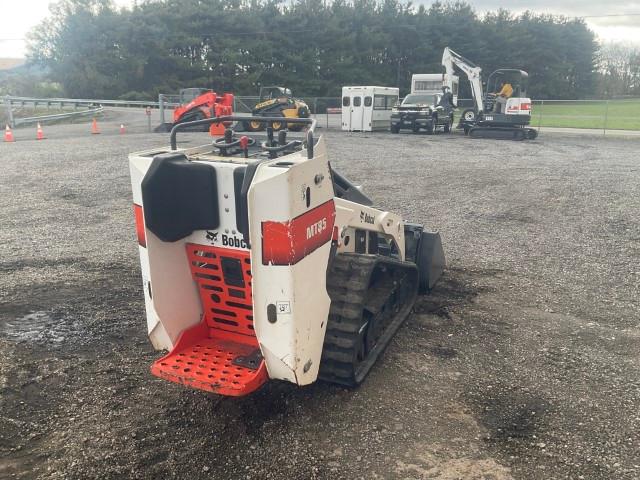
x,y
137,212
525,106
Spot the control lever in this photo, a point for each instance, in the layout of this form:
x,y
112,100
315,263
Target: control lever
x,y
244,146
273,150
228,141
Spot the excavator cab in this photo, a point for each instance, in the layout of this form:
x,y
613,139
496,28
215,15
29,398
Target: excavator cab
x,y
518,79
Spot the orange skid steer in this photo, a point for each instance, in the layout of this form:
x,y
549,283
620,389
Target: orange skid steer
x,y
201,104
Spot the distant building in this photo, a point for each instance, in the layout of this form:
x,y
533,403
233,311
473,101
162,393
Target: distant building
x,y
11,63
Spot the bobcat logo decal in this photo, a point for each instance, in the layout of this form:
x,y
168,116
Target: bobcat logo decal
x,y
366,218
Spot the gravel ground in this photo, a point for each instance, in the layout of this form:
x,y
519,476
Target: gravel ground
x,y
523,363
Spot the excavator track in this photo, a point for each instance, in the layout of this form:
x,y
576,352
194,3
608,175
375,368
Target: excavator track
x,y
503,133
371,296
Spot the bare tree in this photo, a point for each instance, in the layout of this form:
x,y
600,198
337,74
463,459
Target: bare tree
x,y
619,69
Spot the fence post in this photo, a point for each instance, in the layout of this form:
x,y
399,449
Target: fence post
x,y
606,115
161,107
540,115
7,102
326,109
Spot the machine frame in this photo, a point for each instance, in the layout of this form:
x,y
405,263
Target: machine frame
x,y
240,289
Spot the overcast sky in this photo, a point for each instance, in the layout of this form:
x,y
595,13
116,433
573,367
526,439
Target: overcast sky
x,y
17,17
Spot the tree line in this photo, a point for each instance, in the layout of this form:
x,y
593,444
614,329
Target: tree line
x,y
94,49
618,70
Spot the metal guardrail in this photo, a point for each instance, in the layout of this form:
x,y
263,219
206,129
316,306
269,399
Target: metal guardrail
x,y
77,102
12,101
58,116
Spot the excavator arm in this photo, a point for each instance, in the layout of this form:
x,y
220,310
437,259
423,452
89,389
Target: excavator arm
x,y
451,59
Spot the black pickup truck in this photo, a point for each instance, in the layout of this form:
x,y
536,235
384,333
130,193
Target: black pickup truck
x,y
419,111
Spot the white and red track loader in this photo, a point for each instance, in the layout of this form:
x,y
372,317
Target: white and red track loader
x,y
261,262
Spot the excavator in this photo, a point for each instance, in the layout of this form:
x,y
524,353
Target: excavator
x,y
505,116
261,262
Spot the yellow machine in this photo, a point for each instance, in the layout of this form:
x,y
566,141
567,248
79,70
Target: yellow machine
x,y
277,102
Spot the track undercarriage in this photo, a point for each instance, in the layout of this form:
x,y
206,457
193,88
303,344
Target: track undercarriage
x,y
371,296
502,133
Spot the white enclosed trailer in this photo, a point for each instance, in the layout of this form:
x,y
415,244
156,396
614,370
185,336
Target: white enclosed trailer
x,y
366,109
432,83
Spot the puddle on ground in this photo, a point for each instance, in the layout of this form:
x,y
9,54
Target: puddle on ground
x,y
39,327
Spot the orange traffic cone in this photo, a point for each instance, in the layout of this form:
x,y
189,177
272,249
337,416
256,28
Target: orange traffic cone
x,y
94,127
39,133
8,135
122,130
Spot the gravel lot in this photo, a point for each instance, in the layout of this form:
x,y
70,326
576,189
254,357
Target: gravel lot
x,y
523,363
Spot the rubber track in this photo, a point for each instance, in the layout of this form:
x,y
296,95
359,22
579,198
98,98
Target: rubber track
x,y
503,133
348,287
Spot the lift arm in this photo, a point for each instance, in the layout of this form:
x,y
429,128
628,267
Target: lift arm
x,y
451,59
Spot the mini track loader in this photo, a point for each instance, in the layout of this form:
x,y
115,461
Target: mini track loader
x,y
259,261
200,104
277,102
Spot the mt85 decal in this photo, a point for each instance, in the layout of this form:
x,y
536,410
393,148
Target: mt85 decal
x,y
316,228
286,243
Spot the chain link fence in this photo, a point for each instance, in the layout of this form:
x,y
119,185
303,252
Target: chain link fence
x,y
592,116
601,115
586,115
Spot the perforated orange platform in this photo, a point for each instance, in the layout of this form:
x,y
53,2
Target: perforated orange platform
x,y
221,353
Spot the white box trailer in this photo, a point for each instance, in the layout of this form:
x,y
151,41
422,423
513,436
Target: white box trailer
x,y
365,109
432,83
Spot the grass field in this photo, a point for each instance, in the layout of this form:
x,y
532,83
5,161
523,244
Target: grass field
x,y
620,114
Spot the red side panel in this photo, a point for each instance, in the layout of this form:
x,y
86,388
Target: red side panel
x,y
139,215
286,243
221,353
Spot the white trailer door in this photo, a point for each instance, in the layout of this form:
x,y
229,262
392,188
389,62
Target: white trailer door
x,y
367,112
346,111
357,112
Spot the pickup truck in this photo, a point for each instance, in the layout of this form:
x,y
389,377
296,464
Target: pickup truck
x,y
419,111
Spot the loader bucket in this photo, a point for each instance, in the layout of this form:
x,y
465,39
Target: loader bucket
x,y
430,260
